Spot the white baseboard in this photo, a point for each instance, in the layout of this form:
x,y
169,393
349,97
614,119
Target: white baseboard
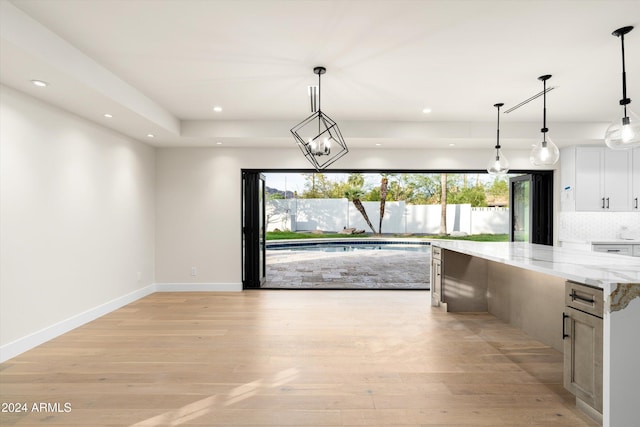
x,y
198,287
28,342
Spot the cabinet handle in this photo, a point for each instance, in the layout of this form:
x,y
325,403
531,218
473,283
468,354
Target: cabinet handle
x,y
564,333
575,296
613,250
607,203
603,203
636,201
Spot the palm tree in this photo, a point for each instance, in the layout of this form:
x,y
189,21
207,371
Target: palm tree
x,y
384,182
354,194
443,203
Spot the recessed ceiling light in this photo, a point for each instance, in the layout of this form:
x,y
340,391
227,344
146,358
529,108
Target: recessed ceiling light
x,y
39,83
217,109
452,145
108,116
218,143
150,135
378,144
426,110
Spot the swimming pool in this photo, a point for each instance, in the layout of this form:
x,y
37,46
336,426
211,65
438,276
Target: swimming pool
x,y
350,245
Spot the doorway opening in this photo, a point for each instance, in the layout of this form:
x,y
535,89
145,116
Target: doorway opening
x,y
397,205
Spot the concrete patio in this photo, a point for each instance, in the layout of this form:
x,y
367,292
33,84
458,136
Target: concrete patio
x,y
361,269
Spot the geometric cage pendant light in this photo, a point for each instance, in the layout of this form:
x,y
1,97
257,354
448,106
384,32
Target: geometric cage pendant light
x,y
545,152
623,133
318,136
498,163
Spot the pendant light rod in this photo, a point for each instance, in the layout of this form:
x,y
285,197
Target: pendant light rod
x,y
620,32
544,129
319,71
528,100
498,105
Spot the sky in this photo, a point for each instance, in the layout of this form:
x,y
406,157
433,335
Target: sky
x,y
295,181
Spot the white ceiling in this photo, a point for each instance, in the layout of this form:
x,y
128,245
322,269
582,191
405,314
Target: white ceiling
x,y
160,66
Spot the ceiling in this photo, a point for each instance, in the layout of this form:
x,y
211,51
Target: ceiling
x,y
160,66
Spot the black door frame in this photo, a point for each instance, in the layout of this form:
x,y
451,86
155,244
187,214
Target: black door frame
x,y
540,206
253,230
253,263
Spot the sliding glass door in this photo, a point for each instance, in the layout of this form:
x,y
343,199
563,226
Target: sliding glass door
x,y
531,208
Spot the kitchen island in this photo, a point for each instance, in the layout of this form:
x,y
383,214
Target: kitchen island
x,y
532,287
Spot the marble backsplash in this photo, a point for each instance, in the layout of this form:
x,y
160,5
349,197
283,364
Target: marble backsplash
x,y
584,226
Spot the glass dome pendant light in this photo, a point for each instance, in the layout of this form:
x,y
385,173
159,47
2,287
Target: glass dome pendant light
x,y
545,152
498,164
625,133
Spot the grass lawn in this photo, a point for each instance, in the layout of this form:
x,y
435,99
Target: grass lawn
x,y
282,235
475,237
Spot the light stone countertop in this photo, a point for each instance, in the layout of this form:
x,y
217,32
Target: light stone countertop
x,y
591,268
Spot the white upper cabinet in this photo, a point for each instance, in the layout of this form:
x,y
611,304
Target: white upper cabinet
x,y
603,179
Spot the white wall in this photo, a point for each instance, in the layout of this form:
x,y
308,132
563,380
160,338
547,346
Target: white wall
x,y
199,206
77,216
198,217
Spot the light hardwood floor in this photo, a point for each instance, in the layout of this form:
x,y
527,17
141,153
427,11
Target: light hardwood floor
x,y
291,358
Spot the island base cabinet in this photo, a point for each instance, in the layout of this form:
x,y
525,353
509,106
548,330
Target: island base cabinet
x,y
583,356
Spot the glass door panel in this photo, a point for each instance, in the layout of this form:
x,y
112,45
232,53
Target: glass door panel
x,y
521,208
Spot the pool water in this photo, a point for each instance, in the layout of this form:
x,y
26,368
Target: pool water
x,y
347,247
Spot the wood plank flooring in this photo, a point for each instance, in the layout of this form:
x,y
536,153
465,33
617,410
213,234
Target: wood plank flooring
x,y
290,358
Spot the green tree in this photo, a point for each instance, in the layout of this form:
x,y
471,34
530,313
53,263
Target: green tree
x,y
372,195
498,191
475,196
318,186
419,189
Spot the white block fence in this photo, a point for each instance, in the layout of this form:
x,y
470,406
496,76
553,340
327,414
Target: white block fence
x,y
335,214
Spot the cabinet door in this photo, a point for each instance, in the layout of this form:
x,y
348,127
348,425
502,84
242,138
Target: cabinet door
x,y
583,357
603,179
589,179
635,167
617,180
436,282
